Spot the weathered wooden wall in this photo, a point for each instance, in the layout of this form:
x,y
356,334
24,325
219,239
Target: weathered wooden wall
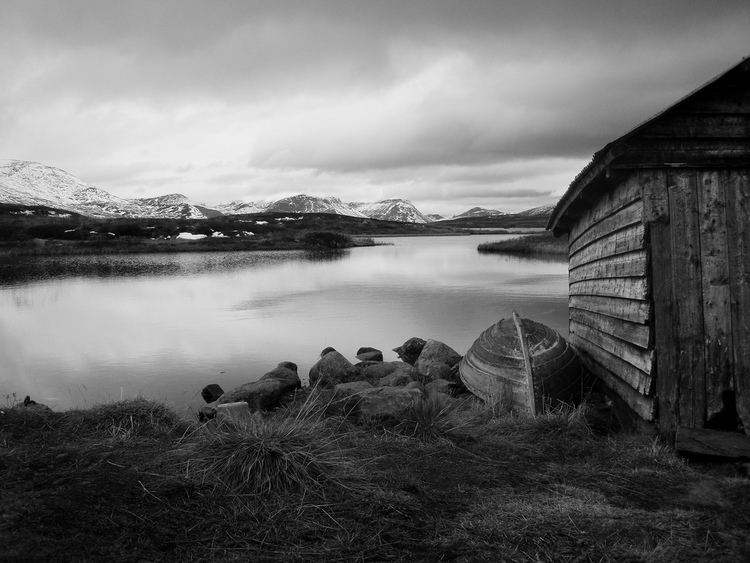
x,y
610,312
698,223
659,234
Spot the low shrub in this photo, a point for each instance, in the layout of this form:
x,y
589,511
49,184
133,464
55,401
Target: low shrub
x,y
326,240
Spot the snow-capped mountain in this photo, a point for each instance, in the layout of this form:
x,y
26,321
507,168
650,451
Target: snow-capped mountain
x,y
391,210
238,207
479,212
303,203
30,183
170,205
435,217
538,211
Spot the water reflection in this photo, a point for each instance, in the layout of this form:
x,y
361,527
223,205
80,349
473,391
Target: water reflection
x,y
23,269
80,330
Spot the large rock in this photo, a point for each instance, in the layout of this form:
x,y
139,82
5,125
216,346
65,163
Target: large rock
x,y
266,393
343,390
375,372
366,354
436,361
384,402
410,350
331,369
397,378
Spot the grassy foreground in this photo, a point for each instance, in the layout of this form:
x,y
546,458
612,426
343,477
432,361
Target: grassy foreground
x,y
538,244
131,481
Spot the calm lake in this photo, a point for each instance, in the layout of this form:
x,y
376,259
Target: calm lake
x,y
79,330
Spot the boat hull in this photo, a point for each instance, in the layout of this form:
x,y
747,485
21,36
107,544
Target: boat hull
x,y
496,370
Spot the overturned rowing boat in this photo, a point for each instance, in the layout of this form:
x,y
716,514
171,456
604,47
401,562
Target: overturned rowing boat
x,y
521,363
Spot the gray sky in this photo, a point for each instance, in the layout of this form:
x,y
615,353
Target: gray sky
x,y
449,104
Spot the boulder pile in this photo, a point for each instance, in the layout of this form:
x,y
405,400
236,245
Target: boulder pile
x,y
369,389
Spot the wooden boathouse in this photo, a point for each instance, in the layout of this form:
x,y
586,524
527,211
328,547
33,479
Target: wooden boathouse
x,y
658,228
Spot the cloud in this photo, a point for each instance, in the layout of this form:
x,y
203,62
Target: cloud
x,y
244,98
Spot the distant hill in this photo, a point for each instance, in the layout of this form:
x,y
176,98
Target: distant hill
x,y
479,212
542,210
505,221
391,210
33,184
238,207
303,203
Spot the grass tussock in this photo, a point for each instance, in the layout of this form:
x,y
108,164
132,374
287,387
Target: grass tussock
x,y
538,244
295,450
123,420
428,419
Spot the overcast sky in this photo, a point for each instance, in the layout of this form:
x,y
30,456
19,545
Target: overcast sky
x,y
448,104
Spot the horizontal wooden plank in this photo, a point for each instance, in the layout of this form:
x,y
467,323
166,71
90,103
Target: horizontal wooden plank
x,y
637,334
625,288
626,240
712,442
700,126
645,407
696,153
637,357
635,378
606,204
629,215
627,309
632,264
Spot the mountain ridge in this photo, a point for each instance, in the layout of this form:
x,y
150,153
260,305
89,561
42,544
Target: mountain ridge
x,y
32,183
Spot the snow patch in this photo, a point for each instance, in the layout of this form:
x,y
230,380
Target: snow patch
x,y
190,236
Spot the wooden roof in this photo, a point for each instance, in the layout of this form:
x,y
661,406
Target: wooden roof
x,y
614,151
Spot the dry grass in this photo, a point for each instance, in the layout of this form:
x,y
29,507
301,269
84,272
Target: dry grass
x,y
464,484
538,244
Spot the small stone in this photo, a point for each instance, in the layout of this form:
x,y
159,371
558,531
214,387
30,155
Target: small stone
x,y
365,354
212,392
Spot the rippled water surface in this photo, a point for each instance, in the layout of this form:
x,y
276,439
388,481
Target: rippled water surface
x,y
75,331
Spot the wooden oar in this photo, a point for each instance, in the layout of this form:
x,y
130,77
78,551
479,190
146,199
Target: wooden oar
x,y
526,362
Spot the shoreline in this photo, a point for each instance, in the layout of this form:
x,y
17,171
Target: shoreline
x,y
62,247
57,247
